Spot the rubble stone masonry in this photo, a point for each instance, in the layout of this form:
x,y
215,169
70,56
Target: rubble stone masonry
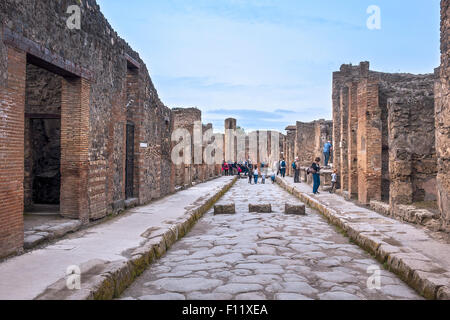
x,y
442,118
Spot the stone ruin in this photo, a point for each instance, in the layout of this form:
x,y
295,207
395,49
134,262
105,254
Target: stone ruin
x,y
82,126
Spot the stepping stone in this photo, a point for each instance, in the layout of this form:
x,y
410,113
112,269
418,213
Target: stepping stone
x,y
297,209
260,208
225,209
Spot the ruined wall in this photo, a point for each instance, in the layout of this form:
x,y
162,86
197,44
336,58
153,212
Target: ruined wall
x,y
442,113
94,64
412,150
187,173
323,133
305,142
310,140
367,136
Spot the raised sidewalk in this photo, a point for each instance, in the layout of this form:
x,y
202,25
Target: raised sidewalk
x,y
111,254
408,250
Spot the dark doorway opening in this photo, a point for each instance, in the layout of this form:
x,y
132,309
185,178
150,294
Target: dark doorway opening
x,y
42,182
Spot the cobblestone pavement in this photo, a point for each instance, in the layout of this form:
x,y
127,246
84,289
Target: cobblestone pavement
x,y
264,256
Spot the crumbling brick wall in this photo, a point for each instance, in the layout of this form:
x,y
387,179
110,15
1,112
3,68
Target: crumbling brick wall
x,y
442,113
364,108
94,64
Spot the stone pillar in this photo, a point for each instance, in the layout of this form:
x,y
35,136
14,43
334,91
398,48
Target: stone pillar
x,y
400,162
230,147
12,108
442,112
344,138
352,140
337,80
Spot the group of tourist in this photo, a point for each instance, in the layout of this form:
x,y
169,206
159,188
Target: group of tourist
x,y
279,169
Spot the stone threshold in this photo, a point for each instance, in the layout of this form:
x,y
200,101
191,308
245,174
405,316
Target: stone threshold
x,y
428,278
107,280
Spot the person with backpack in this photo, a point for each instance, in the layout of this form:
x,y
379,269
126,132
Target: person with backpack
x,y
283,168
315,171
250,173
296,167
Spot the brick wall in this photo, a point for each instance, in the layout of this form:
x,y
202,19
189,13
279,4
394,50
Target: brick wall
x,y
12,102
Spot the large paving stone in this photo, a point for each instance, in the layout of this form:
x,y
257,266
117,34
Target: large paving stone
x,y
251,296
258,279
291,296
338,296
236,288
299,287
186,284
209,296
164,296
336,277
398,291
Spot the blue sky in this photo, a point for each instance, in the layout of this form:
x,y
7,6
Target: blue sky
x,y
269,63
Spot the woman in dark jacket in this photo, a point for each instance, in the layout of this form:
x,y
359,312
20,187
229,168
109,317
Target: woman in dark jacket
x,y
315,168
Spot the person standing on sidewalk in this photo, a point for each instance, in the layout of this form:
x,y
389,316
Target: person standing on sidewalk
x,y
327,149
333,181
296,167
256,174
283,168
315,170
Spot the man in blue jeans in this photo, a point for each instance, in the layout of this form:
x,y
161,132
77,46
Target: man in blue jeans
x,y
327,149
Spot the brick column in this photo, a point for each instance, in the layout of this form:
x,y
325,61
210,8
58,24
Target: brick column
x,y
344,137
74,148
369,142
352,141
12,113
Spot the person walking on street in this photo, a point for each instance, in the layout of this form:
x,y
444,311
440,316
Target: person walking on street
x,y
250,174
296,167
256,174
315,170
283,168
327,149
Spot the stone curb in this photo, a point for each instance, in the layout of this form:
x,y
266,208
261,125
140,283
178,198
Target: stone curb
x,y
416,270
115,277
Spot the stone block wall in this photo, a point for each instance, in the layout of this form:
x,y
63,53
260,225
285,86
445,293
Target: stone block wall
x,y
442,118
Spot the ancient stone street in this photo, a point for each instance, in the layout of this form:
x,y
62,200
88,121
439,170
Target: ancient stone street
x,y
264,256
